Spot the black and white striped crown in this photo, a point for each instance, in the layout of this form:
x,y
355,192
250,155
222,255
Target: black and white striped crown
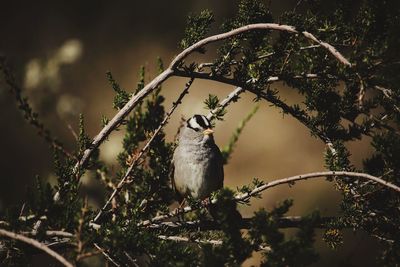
x,y
198,123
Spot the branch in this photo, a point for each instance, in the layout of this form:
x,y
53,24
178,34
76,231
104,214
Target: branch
x,y
258,190
269,97
103,251
144,149
258,26
329,47
388,94
172,69
245,223
36,244
292,179
234,62
202,241
233,96
302,118
122,113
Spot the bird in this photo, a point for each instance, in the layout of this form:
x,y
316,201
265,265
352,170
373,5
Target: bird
x,y
197,161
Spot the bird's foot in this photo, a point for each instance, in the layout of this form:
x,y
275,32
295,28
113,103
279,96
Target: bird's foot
x,y
180,210
182,204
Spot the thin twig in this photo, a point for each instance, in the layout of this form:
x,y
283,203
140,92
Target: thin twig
x,y
103,251
132,260
233,96
329,47
144,149
388,94
37,245
56,233
74,134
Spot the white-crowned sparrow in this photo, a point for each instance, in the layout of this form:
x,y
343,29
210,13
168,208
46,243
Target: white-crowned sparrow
x,y
198,164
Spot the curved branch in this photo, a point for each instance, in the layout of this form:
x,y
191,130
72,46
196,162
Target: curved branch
x,y
293,179
270,98
37,245
122,113
144,149
257,26
288,180
171,71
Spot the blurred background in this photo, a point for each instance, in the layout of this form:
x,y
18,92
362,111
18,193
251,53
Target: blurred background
x,y
60,53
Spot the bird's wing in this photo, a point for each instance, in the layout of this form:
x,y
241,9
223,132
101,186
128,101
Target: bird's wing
x,y
220,164
171,174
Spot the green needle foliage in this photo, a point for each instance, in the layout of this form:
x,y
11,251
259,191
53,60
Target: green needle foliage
x,y
340,104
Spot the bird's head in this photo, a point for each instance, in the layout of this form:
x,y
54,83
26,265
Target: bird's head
x,y
198,128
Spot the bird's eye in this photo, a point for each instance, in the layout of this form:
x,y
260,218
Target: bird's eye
x,y
193,126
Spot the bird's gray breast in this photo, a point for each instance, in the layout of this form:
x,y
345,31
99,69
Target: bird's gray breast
x,y
198,169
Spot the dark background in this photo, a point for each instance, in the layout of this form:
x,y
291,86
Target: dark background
x,y
37,38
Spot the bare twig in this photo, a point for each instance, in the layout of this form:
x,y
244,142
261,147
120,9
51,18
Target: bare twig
x,y
103,251
388,94
37,245
144,149
131,260
74,134
233,96
57,233
329,47
361,93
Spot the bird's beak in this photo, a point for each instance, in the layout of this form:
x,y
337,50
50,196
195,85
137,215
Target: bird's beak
x,y
208,131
